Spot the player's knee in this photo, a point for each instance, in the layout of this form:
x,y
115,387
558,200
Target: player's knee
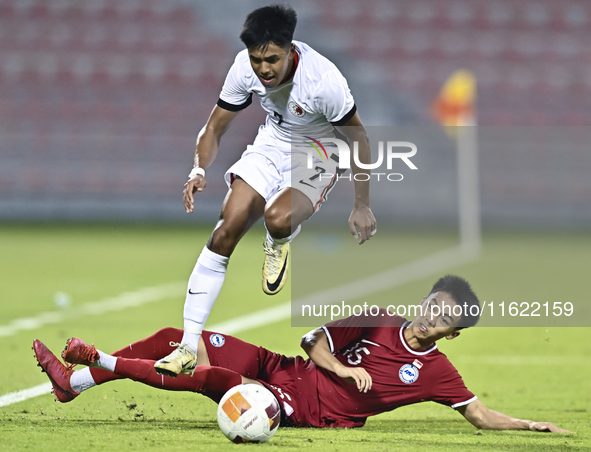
x,y
278,222
223,241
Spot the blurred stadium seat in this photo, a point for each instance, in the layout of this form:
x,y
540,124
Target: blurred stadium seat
x,y
525,44
103,99
119,85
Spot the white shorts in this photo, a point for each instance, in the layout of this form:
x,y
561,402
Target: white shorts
x,y
270,166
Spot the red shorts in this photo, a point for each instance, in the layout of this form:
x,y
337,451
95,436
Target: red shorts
x,y
292,380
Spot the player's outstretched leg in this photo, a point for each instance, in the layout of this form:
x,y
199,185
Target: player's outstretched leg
x,y
153,347
212,382
58,374
69,383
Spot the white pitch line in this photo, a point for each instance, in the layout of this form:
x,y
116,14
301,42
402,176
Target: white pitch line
x,y
117,303
390,278
25,394
254,320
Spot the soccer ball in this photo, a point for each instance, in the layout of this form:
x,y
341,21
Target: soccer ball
x,y
249,413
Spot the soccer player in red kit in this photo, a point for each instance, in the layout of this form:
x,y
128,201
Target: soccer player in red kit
x,y
359,366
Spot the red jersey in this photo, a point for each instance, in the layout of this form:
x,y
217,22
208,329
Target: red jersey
x,y
401,375
311,396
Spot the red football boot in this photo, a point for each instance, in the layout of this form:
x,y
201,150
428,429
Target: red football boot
x,y
77,352
58,374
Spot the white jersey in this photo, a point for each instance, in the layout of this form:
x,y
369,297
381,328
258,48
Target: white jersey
x,y
316,98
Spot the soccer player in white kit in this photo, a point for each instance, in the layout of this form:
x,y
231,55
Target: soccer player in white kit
x,y
305,97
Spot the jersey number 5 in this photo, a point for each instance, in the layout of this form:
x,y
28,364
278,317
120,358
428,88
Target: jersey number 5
x,y
354,355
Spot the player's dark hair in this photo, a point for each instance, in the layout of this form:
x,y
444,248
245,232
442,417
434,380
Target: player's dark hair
x,y
462,293
269,24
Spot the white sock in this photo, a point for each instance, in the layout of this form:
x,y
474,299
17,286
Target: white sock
x,y
204,287
81,380
105,361
285,240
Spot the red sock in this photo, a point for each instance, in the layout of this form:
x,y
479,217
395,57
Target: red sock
x,y
153,347
212,382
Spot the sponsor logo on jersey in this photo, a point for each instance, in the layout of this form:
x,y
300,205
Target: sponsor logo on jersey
x,y
295,109
217,340
408,373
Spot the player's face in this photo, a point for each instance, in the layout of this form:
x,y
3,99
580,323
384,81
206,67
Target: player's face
x,y
437,319
271,64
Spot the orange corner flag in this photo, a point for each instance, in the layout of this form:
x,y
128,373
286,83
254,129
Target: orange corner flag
x,y
455,104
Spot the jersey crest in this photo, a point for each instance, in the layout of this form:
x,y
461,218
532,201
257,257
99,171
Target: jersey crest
x,y
217,340
295,109
408,373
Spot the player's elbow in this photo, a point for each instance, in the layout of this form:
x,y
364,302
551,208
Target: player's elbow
x,y
303,345
307,342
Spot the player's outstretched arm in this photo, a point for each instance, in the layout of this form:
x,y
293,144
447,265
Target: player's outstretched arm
x,y
206,150
362,223
315,344
480,416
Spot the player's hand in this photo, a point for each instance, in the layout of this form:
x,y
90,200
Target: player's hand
x,y
196,184
362,223
546,427
357,375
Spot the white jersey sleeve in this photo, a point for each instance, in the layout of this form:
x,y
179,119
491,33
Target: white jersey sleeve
x,y
334,99
235,94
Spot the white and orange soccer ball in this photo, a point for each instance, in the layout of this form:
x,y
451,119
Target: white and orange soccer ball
x,y
249,413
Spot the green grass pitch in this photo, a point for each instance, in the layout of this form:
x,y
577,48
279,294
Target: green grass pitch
x,y
532,373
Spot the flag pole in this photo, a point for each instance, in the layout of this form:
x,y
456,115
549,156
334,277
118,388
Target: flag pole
x,y
469,190
455,107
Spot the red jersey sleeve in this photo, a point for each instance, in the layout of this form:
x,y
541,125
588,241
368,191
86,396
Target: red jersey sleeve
x,y
450,389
